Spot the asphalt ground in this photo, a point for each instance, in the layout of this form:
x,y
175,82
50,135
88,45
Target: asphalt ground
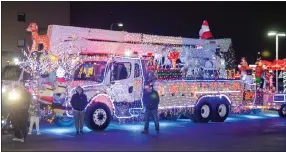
x,y
262,132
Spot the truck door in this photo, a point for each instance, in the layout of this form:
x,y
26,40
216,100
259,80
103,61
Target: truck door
x,y
122,80
138,81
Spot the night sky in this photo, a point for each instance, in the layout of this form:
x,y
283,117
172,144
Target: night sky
x,y
246,23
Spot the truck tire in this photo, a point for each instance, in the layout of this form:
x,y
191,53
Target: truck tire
x,y
64,122
97,116
202,113
282,111
220,112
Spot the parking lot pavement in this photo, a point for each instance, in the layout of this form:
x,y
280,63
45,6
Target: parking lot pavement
x,y
261,132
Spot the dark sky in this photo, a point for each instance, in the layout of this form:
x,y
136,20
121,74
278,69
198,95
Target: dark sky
x,y
246,23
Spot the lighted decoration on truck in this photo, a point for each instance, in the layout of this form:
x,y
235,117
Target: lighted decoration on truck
x,y
183,93
38,39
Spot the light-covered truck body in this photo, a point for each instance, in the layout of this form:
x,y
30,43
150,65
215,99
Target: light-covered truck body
x,y
203,93
121,97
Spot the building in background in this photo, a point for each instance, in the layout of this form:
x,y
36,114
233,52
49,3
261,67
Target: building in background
x,y
16,17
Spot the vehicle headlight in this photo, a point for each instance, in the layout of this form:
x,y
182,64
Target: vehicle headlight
x,y
3,89
13,95
35,97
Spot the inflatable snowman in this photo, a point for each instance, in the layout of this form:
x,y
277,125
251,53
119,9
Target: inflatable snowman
x,y
249,80
243,68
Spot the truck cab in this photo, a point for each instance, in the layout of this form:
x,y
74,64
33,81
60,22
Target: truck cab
x,y
114,88
12,75
280,104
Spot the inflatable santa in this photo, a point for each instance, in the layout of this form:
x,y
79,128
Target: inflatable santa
x,y
205,32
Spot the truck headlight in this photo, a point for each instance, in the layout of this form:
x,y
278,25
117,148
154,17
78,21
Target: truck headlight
x,y
35,97
13,95
3,89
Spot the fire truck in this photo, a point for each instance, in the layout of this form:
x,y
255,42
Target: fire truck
x,y
115,86
113,67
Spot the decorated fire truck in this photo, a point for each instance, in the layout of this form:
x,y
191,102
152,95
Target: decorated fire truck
x,y
113,66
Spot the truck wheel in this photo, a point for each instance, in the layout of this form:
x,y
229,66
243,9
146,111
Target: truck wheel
x,y
97,116
64,122
220,113
202,113
282,111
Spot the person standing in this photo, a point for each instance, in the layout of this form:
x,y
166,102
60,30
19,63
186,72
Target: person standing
x,y
19,112
151,102
79,103
35,114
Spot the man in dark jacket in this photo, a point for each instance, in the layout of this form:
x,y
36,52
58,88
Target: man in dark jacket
x,y
20,101
79,103
151,102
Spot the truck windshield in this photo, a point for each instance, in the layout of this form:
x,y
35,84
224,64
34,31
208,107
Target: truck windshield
x,y
91,71
13,72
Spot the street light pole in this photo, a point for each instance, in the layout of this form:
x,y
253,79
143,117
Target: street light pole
x,y
118,24
276,59
276,37
111,26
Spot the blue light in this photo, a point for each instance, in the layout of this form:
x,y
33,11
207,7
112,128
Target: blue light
x,y
184,120
59,130
164,124
64,130
135,127
252,116
232,119
129,127
271,115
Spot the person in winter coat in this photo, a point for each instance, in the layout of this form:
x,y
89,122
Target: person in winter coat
x,y
151,102
35,114
79,103
19,112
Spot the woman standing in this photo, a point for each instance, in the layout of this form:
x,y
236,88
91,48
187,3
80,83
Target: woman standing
x,y
79,103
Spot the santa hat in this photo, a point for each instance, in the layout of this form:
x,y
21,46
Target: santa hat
x,y
205,32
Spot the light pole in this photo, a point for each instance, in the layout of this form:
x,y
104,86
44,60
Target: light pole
x,y
118,24
276,34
